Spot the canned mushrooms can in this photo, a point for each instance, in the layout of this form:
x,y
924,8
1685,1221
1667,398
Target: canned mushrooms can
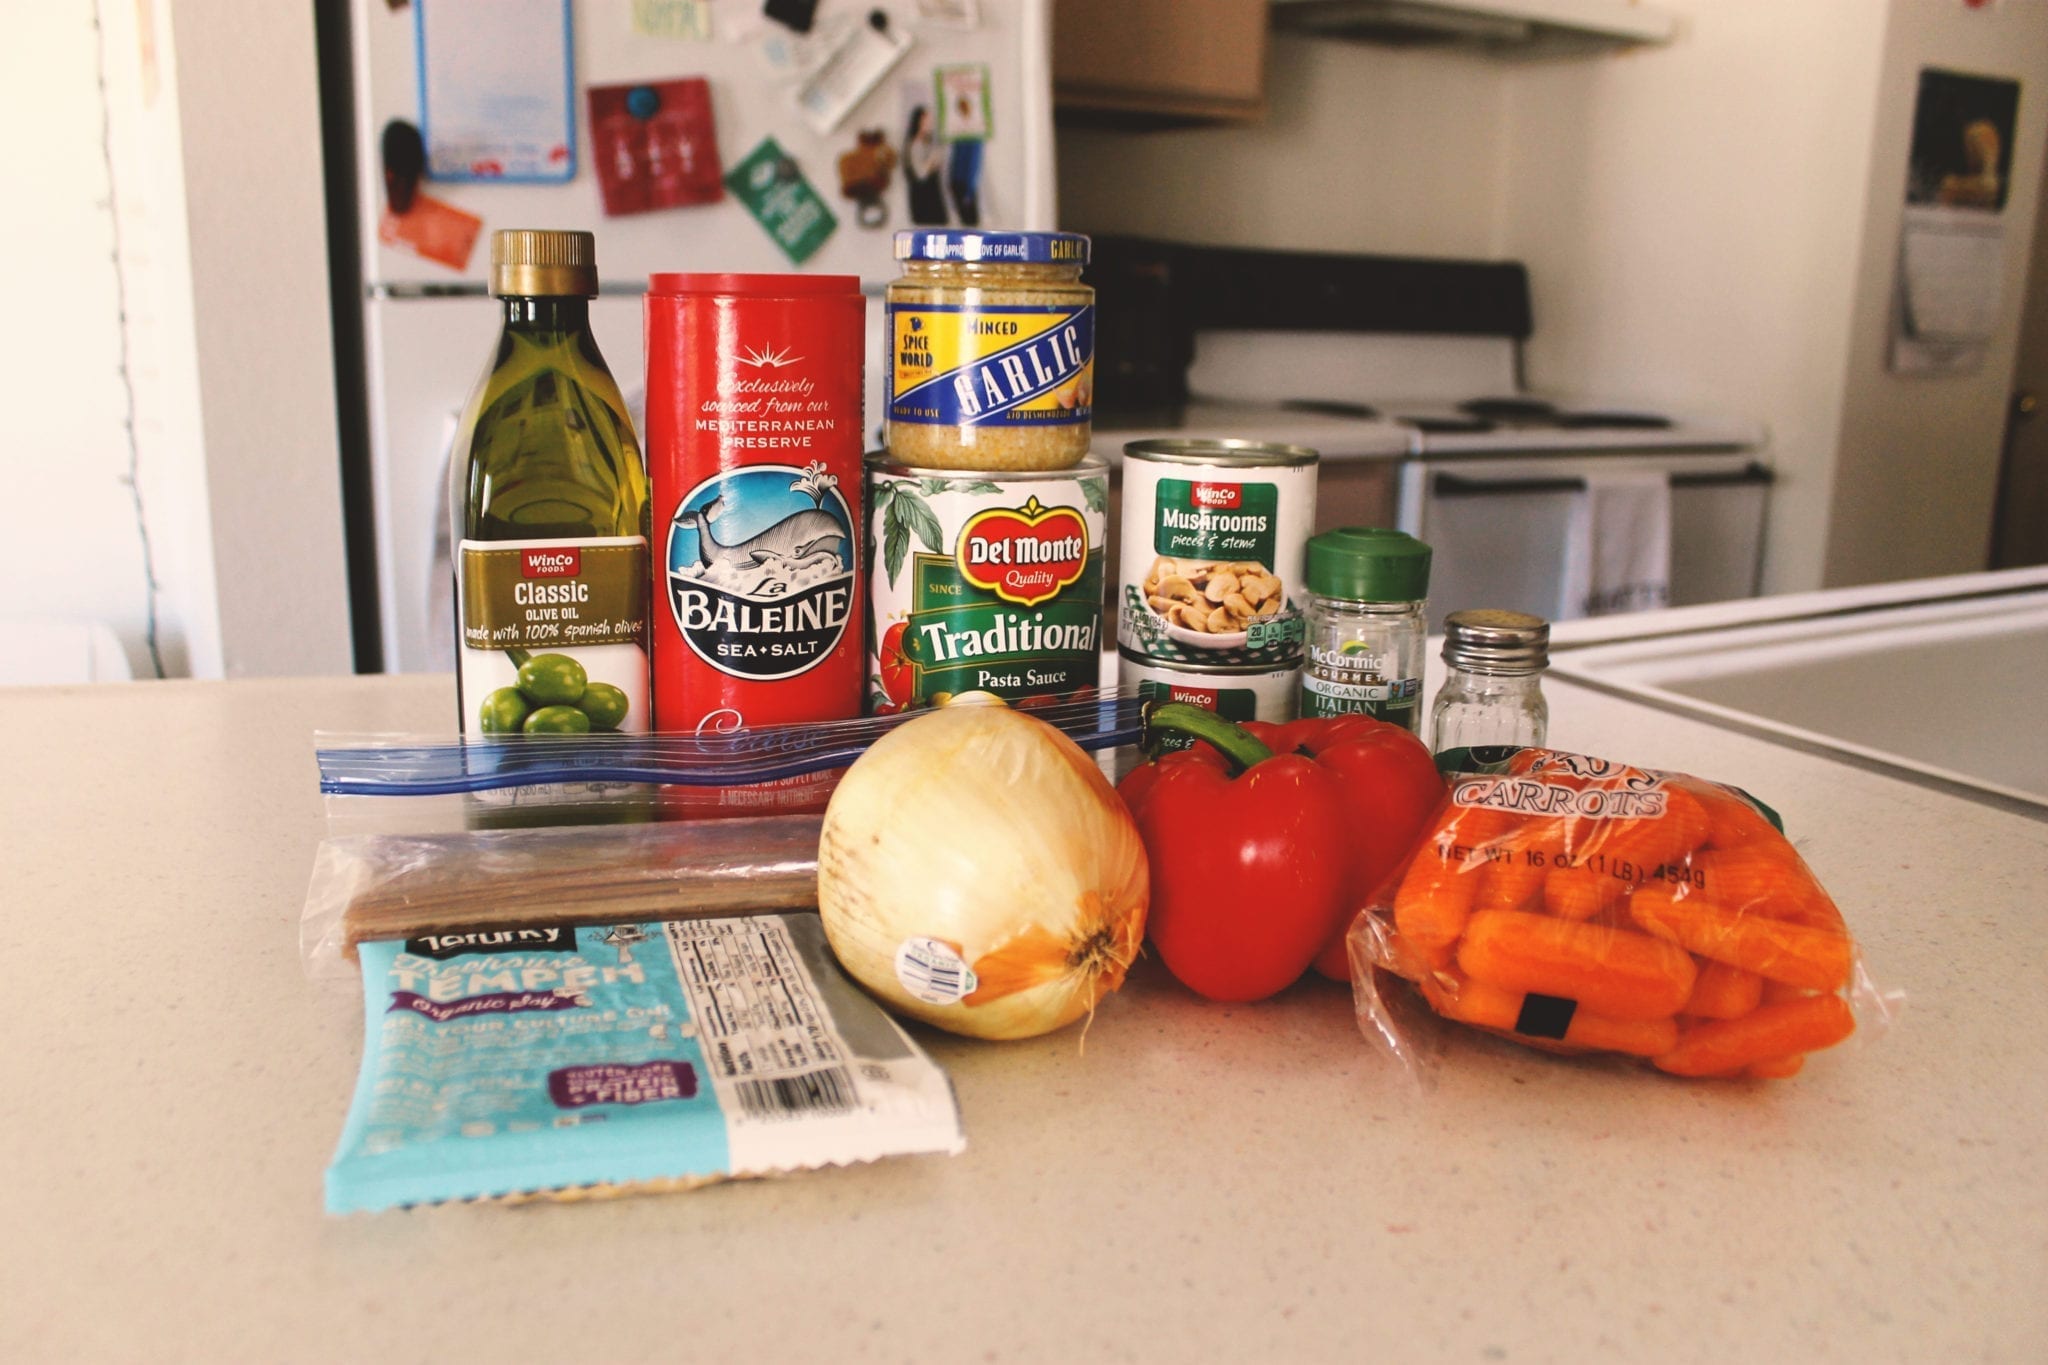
x,y
1259,692
983,582
1214,536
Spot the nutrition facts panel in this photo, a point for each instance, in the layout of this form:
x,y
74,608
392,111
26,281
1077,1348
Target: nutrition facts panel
x,y
767,1038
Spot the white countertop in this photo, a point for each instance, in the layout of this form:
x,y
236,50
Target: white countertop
x,y
1203,1183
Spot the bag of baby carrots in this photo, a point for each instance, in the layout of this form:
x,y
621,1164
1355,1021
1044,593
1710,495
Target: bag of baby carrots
x,y
1583,906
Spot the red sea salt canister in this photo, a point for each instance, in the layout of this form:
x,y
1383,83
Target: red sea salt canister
x,y
754,458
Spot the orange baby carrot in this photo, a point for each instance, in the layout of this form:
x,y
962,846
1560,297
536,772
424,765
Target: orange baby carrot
x,y
1472,1001
1724,992
1647,842
1516,864
1613,972
1433,901
1767,1033
1581,892
1732,820
1765,877
1796,954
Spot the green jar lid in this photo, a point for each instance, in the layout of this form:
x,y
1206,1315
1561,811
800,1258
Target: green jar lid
x,y
1368,564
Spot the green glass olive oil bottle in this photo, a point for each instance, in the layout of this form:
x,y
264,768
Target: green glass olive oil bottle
x,y
549,498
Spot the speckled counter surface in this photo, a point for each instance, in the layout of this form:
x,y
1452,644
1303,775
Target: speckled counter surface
x,y
1201,1183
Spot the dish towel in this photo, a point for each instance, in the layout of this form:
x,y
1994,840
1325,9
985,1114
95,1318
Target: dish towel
x,y
1618,547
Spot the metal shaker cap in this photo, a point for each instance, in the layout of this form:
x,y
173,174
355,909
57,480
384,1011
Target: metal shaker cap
x,y
1493,641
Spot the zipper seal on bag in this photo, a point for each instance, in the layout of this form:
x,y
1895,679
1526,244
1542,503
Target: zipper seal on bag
x,y
382,766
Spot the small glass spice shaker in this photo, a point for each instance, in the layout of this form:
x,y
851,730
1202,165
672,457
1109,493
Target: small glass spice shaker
x,y
1494,692
1366,633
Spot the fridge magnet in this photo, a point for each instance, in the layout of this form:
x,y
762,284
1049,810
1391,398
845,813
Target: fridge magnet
x,y
433,230
924,159
857,57
686,20
402,155
496,83
963,104
795,15
774,190
864,176
950,13
1947,295
656,145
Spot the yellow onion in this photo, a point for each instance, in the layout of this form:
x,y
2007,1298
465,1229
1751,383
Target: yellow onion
x,y
978,872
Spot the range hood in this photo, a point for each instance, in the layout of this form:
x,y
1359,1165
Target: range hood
x,y
1507,28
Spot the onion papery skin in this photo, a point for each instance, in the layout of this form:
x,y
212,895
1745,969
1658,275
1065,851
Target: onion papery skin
x,y
994,834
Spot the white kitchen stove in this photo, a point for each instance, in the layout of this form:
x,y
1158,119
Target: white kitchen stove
x,y
1516,491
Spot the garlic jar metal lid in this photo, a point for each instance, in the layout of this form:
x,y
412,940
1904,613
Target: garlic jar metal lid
x,y
1489,640
1011,248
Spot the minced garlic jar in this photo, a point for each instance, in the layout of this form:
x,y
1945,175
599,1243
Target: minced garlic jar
x,y
991,360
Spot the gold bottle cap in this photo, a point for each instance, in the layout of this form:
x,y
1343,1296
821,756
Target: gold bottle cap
x,y
541,261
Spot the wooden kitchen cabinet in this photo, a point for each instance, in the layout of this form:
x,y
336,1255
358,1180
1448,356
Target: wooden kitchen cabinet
x,y
1159,62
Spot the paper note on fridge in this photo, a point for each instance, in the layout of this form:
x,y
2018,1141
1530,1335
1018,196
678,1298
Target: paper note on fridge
x,y
1954,262
496,86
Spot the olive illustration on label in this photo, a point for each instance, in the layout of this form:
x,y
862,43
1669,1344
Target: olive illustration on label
x,y
554,696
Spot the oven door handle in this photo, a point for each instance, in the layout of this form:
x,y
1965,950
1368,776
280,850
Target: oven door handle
x,y
1754,474
1457,486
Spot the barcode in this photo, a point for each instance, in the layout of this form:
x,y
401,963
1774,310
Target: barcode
x,y
940,978
829,1091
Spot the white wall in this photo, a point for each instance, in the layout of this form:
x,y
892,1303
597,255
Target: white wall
x,y
1686,213
1918,472
68,520
1364,149
249,112
1710,224
219,311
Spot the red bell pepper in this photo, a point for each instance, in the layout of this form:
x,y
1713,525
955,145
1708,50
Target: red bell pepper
x,y
1264,840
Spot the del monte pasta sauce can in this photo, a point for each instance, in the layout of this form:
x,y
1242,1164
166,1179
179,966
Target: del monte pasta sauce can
x,y
990,350
754,454
984,582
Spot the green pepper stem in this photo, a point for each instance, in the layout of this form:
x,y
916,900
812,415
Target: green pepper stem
x,y
1231,740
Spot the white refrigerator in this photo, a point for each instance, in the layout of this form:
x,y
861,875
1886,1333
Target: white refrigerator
x,y
429,328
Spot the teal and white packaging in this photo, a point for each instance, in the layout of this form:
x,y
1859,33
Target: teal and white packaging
x,y
545,1058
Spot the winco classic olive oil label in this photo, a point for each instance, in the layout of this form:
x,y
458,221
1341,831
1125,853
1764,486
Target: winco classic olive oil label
x,y
984,583
555,626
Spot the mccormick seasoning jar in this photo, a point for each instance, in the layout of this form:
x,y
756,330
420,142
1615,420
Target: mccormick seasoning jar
x,y
990,350
754,454
1494,693
1365,629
